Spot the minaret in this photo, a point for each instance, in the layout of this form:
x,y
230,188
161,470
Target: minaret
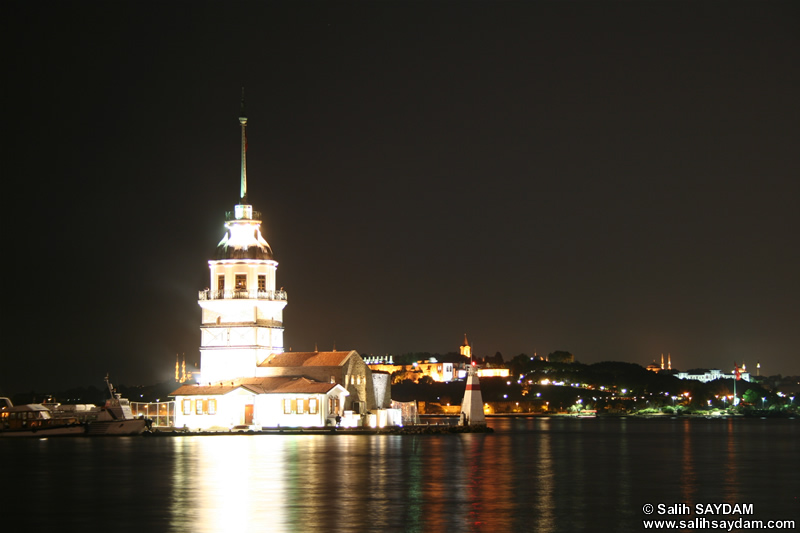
x,y
662,361
758,368
242,313
669,361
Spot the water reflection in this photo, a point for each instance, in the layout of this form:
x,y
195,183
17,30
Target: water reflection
x,y
544,479
688,475
730,477
534,474
623,478
230,484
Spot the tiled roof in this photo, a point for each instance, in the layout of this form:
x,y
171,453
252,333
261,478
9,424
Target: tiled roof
x,y
289,385
274,385
203,390
298,359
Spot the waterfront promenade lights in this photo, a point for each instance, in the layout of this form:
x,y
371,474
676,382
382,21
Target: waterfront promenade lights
x,y
762,402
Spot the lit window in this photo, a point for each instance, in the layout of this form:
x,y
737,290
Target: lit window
x,y
301,406
287,406
262,282
241,282
199,407
221,282
187,407
312,406
212,407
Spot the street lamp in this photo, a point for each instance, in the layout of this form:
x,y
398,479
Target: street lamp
x,y
762,402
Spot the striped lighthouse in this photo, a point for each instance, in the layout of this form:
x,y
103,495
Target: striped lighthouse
x,y
472,405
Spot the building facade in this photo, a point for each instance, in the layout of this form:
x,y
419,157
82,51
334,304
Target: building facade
x,y
259,402
710,375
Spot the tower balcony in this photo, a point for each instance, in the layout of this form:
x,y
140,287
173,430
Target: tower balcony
x,y
245,212
242,294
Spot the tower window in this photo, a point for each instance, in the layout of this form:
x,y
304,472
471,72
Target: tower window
x,y
241,282
221,282
262,282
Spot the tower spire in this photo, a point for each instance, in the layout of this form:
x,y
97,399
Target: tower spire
x,y
465,349
243,123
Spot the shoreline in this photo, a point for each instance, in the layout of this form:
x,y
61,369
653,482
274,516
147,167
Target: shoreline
x,y
440,428
419,429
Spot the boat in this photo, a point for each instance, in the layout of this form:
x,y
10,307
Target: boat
x,y
35,420
113,418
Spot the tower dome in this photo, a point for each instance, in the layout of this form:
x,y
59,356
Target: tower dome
x,y
243,239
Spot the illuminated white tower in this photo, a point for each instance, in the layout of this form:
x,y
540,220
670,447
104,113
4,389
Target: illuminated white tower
x,y
242,313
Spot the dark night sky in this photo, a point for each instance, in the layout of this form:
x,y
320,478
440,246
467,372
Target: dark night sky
x,y
614,179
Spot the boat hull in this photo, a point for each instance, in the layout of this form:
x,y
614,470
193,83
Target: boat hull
x,y
42,432
134,426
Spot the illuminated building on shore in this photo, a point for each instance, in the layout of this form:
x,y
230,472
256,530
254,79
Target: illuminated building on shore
x,y
710,375
489,372
653,367
466,349
439,371
246,378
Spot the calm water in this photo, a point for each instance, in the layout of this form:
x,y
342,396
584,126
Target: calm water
x,y
530,475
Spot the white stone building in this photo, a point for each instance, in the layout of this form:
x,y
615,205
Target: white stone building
x,y
259,402
711,375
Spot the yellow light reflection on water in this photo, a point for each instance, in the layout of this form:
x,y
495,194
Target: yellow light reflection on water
x,y
228,491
